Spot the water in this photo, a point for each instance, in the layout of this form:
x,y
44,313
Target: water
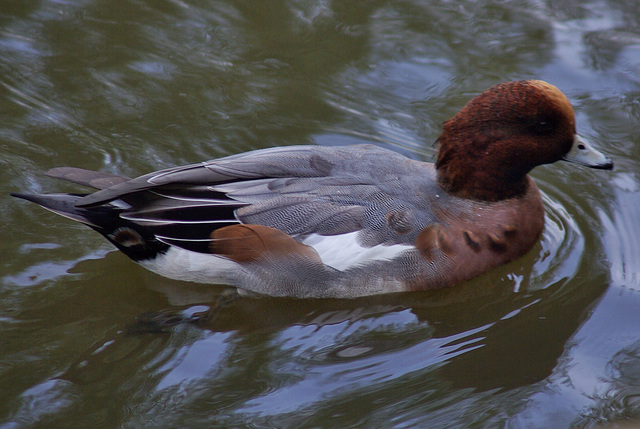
x,y
551,340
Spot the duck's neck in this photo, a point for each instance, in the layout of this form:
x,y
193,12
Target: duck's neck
x,y
482,185
481,175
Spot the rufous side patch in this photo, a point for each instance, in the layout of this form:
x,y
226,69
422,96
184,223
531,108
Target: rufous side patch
x,y
248,243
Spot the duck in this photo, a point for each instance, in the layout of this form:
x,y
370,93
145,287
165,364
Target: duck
x,y
344,221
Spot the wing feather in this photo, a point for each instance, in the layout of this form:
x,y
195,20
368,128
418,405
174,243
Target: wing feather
x,y
300,190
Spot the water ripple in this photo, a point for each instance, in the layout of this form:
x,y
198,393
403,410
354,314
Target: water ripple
x,y
621,231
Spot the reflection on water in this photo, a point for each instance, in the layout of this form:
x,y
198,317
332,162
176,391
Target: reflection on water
x,y
622,248
621,401
128,87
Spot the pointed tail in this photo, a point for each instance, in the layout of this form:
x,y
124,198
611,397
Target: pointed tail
x,y
62,204
133,240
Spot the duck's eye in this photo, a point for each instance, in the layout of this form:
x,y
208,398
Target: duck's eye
x,y
543,126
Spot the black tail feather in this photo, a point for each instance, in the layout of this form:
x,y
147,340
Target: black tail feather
x,y
133,240
62,204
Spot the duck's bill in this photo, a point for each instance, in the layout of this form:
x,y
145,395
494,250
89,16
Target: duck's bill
x,y
584,154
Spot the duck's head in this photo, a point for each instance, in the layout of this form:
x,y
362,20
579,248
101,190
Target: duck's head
x,y
487,149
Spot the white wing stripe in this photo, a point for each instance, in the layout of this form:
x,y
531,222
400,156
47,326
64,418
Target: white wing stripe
x,y
139,219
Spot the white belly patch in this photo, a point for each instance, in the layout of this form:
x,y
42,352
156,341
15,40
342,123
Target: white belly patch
x,y
344,251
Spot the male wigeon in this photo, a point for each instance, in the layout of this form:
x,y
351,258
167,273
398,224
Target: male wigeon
x,y
309,221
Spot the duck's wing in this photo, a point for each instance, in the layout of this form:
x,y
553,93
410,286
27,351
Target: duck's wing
x,y
93,179
279,162
299,190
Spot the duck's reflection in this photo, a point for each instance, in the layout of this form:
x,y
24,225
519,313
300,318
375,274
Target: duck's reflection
x,y
479,335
